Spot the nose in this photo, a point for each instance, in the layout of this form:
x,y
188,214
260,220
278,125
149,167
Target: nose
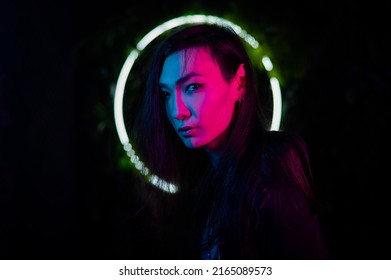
x,y
179,109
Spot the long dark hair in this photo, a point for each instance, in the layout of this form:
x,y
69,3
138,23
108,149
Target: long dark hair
x,y
219,198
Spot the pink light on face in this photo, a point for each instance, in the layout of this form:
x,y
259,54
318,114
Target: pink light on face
x,y
199,102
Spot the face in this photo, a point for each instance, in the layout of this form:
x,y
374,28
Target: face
x,y
199,102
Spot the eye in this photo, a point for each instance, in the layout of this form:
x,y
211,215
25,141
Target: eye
x,y
193,87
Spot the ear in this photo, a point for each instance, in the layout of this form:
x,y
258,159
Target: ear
x,y
240,82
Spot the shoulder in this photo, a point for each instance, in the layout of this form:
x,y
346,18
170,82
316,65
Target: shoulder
x,y
283,143
278,164
285,216
285,184
284,159
279,179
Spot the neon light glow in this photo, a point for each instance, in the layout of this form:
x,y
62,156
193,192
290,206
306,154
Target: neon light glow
x,y
277,104
267,63
127,67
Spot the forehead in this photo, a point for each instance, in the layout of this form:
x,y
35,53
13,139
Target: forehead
x,y
196,60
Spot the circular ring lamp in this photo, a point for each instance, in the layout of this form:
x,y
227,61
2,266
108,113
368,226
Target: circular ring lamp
x,y
127,67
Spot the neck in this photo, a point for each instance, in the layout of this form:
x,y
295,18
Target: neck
x,y
214,157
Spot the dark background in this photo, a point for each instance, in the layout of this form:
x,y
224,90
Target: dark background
x,y
64,188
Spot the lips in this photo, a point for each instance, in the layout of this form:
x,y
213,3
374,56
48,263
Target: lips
x,y
186,130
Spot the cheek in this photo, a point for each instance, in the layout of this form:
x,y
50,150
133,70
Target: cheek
x,y
217,116
219,108
168,115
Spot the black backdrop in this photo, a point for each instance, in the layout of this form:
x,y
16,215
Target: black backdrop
x,y
62,192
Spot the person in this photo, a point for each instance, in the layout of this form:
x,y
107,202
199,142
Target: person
x,y
244,191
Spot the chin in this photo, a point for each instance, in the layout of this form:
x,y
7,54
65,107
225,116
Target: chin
x,y
191,144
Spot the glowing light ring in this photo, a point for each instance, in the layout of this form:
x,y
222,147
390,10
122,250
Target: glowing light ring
x,y
127,67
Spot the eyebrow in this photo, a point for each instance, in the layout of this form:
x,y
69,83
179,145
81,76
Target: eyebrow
x,y
181,79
